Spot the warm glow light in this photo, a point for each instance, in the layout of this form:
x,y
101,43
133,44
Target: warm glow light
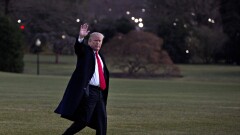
x,y
136,20
140,25
38,42
77,20
22,27
211,20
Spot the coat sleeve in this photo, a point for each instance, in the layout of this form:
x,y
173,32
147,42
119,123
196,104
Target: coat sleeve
x,y
79,48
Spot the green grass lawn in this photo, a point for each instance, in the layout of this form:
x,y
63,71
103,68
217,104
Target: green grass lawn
x,y
206,101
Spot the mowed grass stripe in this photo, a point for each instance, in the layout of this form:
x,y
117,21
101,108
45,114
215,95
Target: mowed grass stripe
x,y
135,107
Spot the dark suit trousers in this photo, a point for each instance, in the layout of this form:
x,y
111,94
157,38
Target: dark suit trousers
x,y
94,108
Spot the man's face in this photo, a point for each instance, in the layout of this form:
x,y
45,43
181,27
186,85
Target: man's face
x,y
95,42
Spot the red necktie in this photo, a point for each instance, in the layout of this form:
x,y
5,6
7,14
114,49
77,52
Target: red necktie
x,y
100,72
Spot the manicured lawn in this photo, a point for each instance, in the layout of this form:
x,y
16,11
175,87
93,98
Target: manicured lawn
x,y
205,101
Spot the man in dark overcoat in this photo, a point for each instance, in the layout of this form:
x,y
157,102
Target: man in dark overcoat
x,y
85,98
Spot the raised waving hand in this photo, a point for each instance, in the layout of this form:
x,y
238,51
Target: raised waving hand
x,y
83,30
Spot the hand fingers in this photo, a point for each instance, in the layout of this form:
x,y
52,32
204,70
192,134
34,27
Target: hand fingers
x,y
84,26
84,29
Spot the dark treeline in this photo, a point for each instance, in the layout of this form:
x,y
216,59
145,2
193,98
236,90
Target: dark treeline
x,y
199,31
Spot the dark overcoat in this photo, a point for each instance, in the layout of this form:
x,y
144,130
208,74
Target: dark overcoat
x,y
77,88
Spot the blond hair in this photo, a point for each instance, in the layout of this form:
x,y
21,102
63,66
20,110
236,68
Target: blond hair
x,y
94,34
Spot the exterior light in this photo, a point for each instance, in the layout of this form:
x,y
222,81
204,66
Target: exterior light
x,y
136,20
22,27
128,13
174,24
140,19
143,10
187,51
19,21
109,9
38,42
77,20
209,19
63,36
140,25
